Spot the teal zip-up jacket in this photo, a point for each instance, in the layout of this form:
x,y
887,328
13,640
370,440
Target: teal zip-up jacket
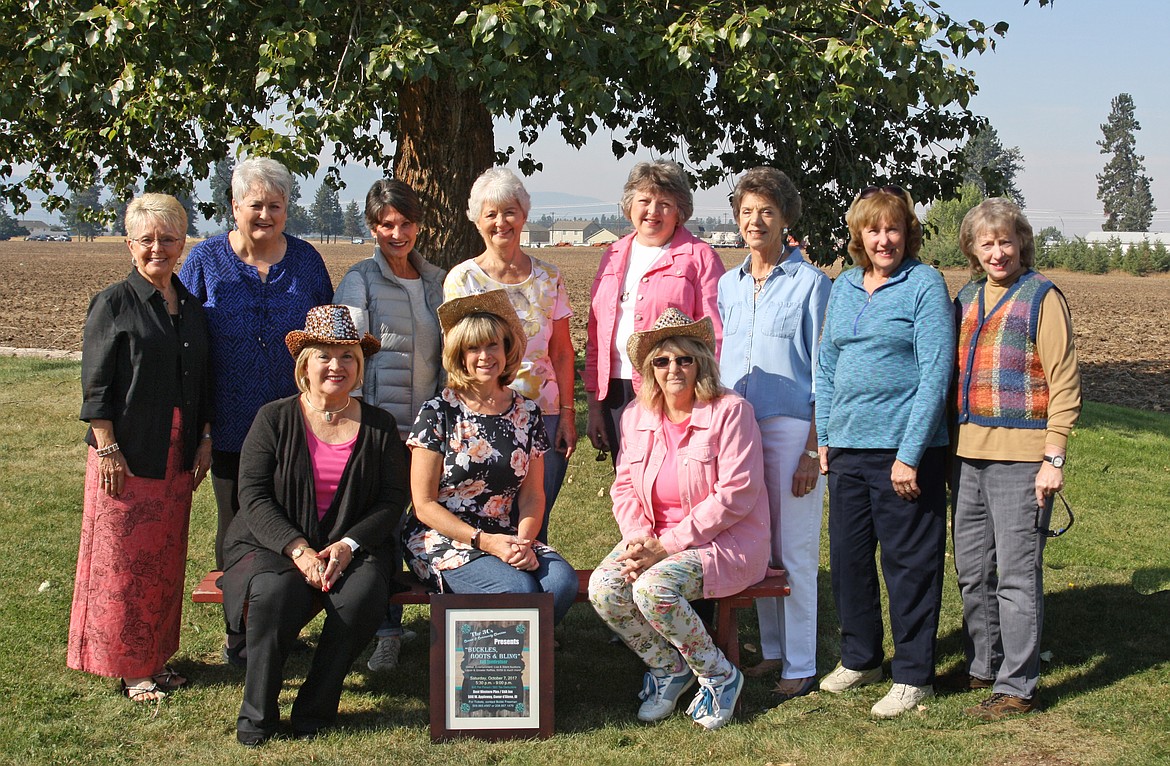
x,y
885,362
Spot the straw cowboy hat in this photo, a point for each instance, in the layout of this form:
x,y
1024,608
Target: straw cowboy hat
x,y
492,302
330,326
671,324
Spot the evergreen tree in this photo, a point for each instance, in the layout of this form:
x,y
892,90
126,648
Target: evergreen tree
x,y
328,218
1123,187
221,193
9,227
990,167
942,226
299,221
84,212
353,220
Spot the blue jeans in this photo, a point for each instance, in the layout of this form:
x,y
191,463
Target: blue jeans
x,y
999,557
488,574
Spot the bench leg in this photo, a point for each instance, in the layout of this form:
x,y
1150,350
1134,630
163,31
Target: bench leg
x,y
727,630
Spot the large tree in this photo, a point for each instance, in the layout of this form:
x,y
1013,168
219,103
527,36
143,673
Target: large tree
x,y
81,212
221,193
839,93
1122,186
991,167
328,217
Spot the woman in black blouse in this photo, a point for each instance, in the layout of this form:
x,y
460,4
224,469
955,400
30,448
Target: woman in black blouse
x,y
322,485
146,396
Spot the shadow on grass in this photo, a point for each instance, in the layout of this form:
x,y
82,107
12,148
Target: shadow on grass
x,y
1098,635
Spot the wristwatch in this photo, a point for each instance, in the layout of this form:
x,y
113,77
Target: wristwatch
x,y
1056,460
299,551
475,538
812,453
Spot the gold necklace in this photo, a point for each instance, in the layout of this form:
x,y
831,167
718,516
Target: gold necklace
x,y
327,413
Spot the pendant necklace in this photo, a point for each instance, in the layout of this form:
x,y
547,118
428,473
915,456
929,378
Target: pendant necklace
x,y
327,413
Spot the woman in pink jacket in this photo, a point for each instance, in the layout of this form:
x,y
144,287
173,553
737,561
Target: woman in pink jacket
x,y
658,266
694,522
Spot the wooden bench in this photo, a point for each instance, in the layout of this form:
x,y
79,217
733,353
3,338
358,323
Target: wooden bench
x,y
726,632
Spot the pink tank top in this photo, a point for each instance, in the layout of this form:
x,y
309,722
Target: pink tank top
x,y
328,464
666,496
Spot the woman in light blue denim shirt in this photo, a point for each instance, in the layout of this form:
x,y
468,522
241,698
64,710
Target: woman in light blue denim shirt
x,y
772,308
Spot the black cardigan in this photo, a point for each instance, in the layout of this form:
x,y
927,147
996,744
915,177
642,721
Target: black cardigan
x,y
278,502
137,366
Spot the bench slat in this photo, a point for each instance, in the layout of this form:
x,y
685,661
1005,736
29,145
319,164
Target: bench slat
x,y
726,620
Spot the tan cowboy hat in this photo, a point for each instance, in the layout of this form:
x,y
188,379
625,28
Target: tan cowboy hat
x,y
671,324
330,326
494,302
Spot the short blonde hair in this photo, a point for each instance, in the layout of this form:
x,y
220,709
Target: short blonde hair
x,y
882,206
996,216
300,368
707,385
159,208
476,330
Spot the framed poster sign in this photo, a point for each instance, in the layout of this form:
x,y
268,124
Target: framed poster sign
x,y
491,666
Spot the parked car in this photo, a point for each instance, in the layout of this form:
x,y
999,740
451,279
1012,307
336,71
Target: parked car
x,y
37,238
357,241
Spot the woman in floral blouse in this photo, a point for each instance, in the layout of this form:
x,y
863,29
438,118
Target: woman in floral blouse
x,y
477,451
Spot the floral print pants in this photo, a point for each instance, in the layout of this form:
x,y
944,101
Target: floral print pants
x,y
653,614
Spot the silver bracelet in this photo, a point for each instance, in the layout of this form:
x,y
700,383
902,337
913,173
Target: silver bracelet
x,y
107,451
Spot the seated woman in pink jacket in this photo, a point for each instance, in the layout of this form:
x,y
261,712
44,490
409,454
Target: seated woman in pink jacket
x,y
694,523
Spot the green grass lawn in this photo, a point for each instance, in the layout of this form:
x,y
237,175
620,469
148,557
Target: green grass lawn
x,y
1106,687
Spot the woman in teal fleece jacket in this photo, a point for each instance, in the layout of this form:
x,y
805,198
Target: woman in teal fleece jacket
x,y
882,376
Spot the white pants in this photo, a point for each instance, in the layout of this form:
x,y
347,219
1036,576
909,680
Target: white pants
x,y
788,626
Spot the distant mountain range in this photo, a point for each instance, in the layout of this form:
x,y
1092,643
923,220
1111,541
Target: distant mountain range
x,y
561,205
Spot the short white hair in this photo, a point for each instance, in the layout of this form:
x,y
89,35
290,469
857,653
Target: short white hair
x,y
262,173
497,186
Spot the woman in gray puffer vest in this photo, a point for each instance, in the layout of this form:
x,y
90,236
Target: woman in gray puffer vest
x,y
394,295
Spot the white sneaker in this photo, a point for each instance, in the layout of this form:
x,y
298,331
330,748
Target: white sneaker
x,y
842,679
385,655
714,705
660,693
901,697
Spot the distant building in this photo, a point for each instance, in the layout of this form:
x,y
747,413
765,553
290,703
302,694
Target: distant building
x,y
572,232
35,227
1128,238
603,236
534,235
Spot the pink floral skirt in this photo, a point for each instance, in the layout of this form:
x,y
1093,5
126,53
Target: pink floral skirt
x,y
128,593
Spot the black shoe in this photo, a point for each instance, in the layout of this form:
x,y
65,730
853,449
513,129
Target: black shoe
x,y
252,738
236,657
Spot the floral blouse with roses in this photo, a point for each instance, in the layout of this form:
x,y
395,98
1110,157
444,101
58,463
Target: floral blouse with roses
x,y
485,460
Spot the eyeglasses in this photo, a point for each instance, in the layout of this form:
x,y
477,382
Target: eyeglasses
x,y
1047,532
662,362
166,243
869,191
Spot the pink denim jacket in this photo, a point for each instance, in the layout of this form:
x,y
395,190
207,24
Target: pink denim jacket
x,y
721,469
685,277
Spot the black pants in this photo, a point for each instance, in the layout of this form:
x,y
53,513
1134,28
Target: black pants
x,y
225,479
620,393
864,511
279,605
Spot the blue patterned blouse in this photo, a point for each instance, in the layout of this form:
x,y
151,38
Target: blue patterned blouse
x,y
248,319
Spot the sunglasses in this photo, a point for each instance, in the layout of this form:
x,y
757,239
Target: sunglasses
x,y
1056,532
662,362
870,191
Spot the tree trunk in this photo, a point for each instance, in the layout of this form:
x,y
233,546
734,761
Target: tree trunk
x,y
445,140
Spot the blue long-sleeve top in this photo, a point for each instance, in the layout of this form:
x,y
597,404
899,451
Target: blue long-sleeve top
x,y
248,318
885,363
770,338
